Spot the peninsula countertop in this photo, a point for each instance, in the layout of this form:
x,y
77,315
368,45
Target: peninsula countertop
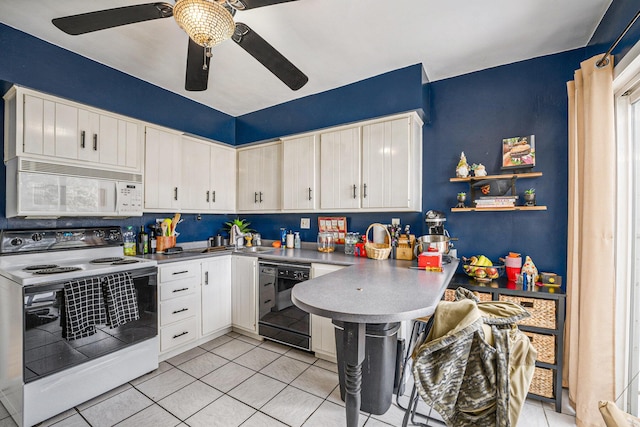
x,y
374,292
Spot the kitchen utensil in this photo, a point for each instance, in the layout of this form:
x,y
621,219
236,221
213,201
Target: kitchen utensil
x,y
438,241
164,229
174,224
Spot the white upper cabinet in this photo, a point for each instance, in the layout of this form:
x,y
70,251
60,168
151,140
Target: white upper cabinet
x,y
300,176
208,176
162,188
340,169
259,178
387,169
39,125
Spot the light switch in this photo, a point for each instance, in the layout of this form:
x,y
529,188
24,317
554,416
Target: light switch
x,y
305,223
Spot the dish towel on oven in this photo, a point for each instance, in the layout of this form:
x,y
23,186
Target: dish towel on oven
x,y
84,307
122,302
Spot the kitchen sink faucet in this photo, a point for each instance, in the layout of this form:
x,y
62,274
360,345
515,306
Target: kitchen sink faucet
x,y
237,236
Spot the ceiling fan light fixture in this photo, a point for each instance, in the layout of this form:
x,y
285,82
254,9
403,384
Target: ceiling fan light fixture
x,y
207,22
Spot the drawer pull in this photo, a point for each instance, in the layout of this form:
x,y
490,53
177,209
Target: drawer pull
x,y
267,301
180,290
180,311
528,304
179,335
180,272
82,139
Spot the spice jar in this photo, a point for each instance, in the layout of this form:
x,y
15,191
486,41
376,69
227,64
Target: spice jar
x,y
326,242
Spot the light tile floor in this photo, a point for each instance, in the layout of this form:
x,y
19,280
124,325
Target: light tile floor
x,y
238,381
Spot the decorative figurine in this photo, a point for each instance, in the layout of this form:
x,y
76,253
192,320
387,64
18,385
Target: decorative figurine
x,y
479,170
462,170
461,198
530,197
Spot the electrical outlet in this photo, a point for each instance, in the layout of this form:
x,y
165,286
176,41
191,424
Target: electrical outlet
x,y
305,223
395,221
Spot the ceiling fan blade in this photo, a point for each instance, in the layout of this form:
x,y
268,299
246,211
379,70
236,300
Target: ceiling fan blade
x,y
197,75
252,4
268,56
109,18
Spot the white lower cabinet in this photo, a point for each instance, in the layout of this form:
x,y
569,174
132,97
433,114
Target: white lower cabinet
x,y
195,302
323,341
216,294
244,307
179,304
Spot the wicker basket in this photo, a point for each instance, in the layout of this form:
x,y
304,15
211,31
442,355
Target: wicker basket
x,y
545,345
542,383
543,312
450,295
378,250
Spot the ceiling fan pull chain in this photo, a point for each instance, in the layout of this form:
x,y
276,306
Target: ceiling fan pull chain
x,y
207,53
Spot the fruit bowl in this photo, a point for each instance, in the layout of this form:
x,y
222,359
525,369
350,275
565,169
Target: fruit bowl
x,y
473,267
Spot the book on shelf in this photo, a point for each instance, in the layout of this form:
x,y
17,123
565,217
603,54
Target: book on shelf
x,y
496,201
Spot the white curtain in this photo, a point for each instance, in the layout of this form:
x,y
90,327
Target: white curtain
x,y
589,368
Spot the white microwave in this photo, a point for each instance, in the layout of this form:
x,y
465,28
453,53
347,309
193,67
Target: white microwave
x,y
41,189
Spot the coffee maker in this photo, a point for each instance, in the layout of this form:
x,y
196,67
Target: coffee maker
x,y
435,222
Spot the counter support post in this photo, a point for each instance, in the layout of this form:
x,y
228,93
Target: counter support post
x,y
354,341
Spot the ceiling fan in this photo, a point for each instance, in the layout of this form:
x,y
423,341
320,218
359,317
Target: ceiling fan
x,y
207,22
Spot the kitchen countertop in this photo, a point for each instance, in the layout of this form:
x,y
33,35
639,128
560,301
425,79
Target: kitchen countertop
x,y
374,292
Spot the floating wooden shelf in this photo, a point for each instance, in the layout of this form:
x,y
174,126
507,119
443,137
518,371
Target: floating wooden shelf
x,y
502,176
513,177
495,209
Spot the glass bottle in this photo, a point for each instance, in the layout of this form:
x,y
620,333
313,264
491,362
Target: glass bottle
x,y
296,240
142,247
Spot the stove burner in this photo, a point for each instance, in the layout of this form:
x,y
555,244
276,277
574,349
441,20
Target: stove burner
x,y
109,260
125,261
56,270
39,267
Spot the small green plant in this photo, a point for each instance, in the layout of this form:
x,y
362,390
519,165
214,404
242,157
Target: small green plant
x,y
241,223
462,194
530,191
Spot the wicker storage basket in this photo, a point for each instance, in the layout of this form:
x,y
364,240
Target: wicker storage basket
x,y
545,345
543,312
450,295
378,250
542,382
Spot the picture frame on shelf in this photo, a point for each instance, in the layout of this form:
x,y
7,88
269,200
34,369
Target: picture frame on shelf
x,y
519,152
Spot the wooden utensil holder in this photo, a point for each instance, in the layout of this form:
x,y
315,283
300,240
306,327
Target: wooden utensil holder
x,y
405,247
165,242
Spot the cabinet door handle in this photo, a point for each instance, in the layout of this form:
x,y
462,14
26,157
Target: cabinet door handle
x,y
213,198
207,196
82,139
180,290
267,301
95,142
255,197
354,191
180,311
261,197
309,193
179,335
206,277
364,193
175,193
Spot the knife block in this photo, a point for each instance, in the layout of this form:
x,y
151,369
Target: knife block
x,y
405,247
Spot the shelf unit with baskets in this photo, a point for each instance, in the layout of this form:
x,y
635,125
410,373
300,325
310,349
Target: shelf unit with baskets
x,y
545,329
513,177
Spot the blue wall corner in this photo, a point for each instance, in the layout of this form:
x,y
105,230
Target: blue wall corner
x,y
393,92
34,63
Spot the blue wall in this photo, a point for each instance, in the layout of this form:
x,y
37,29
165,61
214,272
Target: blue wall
x,y
470,113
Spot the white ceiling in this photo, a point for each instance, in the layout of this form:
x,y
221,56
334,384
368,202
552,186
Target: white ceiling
x,y
334,42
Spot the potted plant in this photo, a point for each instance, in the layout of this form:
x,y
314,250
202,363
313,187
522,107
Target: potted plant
x,y
530,197
461,198
242,224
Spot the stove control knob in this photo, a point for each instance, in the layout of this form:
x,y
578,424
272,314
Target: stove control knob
x,y
99,233
36,237
16,241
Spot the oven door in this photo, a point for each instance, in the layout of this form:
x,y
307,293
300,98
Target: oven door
x,y
47,351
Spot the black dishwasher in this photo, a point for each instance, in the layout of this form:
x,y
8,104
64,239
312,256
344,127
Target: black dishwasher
x,y
280,320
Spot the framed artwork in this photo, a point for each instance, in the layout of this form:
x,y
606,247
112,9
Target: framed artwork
x,y
519,152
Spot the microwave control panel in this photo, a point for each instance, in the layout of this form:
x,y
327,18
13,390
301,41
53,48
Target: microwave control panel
x,y
130,197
